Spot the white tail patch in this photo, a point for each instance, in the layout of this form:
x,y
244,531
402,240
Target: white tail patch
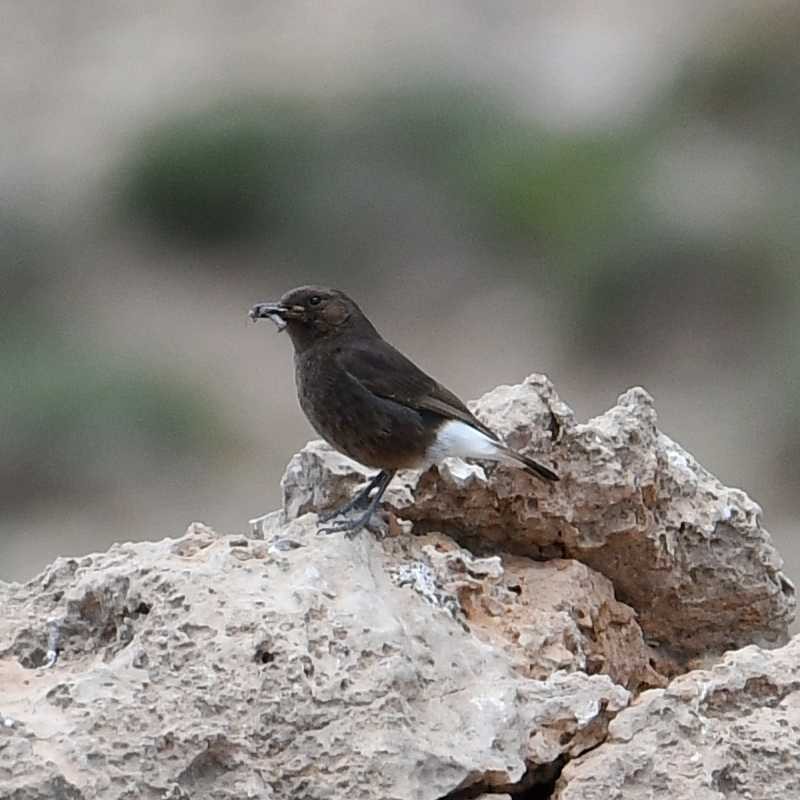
x,y
456,439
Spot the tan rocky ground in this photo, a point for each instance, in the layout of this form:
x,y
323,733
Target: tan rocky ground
x,y
504,638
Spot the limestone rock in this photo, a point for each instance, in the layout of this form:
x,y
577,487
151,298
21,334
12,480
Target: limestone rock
x,y
493,653
548,616
226,667
727,732
26,771
688,554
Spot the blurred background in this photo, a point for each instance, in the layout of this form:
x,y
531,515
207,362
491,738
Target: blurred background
x,y
605,192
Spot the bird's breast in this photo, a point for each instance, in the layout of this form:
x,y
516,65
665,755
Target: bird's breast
x,y
375,431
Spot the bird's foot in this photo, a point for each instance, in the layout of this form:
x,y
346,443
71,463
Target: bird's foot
x,y
357,502
350,526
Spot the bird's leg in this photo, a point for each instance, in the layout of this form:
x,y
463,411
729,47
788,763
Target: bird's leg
x,y
350,526
358,499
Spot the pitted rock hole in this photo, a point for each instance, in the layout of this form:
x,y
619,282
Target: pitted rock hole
x,y
30,647
209,766
100,618
143,608
263,654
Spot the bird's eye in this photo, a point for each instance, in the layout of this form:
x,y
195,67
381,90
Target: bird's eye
x,y
314,300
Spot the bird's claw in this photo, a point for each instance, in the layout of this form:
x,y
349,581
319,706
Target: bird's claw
x,y
351,527
348,526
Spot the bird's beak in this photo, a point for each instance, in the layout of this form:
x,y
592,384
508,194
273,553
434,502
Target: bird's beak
x,y
274,311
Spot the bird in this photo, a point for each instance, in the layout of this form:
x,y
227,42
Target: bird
x,y
371,403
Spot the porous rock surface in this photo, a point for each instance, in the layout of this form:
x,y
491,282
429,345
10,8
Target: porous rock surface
x,y
483,648
732,731
688,554
546,615
305,666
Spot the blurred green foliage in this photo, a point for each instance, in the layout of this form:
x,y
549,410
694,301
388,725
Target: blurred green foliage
x,y
215,177
263,170
78,421
749,82
316,179
74,419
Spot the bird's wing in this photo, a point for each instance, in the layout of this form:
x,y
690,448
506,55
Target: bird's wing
x,y
387,373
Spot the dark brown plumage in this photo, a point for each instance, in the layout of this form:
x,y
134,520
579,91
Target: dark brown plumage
x,y
369,401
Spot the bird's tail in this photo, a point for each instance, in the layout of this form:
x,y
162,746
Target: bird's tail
x,y
528,464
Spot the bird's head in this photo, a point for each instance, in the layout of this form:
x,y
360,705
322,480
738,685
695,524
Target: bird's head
x,y
311,313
